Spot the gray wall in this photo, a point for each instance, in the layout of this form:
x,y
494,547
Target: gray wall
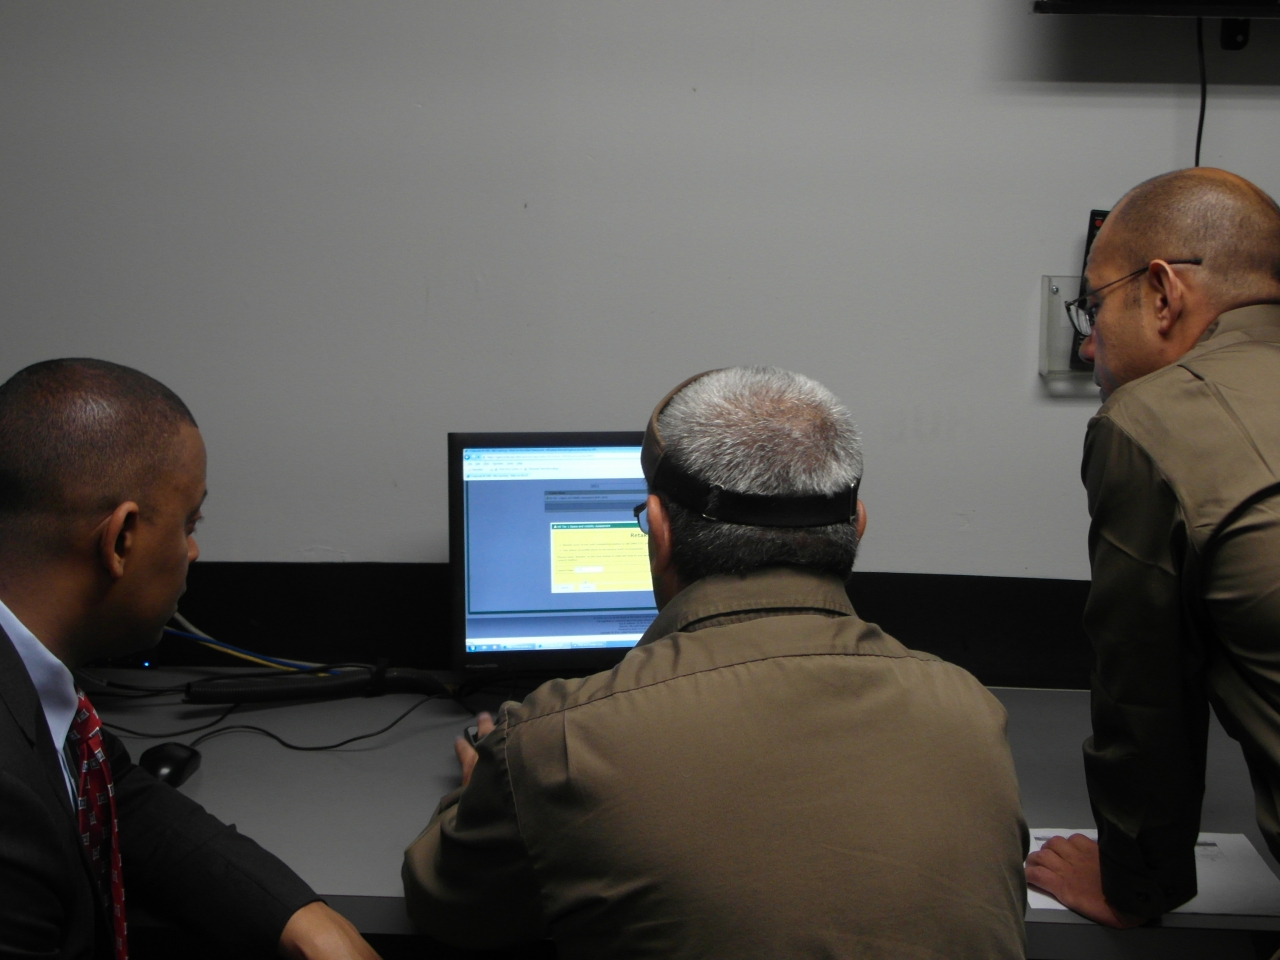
x,y
341,230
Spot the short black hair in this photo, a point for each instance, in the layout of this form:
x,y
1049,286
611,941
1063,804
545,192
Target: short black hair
x,y
79,436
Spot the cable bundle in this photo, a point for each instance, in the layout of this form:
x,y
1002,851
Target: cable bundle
x,y
300,680
337,681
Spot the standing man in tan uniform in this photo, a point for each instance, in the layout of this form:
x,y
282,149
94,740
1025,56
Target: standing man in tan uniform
x,y
1182,469
765,775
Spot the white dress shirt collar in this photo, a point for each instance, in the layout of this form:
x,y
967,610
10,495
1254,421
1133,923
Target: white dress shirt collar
x,y
53,681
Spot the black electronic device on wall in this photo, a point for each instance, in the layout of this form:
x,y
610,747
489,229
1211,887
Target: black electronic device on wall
x,y
1095,224
1230,9
1234,15
550,569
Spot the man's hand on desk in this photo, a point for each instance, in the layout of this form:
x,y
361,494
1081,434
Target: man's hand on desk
x,y
316,932
467,755
1070,870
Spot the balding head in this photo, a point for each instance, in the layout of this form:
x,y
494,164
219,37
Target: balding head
x,y
1207,213
77,438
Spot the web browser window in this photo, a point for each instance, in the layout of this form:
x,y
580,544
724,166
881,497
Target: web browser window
x,y
554,559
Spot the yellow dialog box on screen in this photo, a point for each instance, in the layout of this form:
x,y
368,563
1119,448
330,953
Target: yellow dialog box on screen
x,y
599,558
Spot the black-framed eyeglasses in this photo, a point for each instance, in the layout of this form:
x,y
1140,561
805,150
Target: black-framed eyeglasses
x,y
1084,315
642,516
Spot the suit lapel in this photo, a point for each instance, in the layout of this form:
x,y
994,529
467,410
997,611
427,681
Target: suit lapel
x,y
20,697
17,690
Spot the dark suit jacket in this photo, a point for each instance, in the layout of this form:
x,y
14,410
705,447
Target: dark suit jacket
x,y
179,862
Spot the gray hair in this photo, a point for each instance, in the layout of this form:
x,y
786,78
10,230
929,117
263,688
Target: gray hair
x,y
765,431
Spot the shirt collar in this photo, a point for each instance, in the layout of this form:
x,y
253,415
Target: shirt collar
x,y
758,593
54,684
1242,318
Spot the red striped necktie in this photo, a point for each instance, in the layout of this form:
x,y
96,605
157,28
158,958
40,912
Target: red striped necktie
x,y
97,815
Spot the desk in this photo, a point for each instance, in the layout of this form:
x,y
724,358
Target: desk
x,y
342,818
1046,728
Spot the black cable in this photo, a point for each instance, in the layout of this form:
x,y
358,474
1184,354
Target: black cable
x,y
109,688
249,728
152,735
515,682
138,692
366,681
319,668
1204,85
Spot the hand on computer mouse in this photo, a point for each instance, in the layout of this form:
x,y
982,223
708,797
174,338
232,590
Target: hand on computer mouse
x,y
467,755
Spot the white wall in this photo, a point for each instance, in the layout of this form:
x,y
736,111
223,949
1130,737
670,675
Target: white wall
x,y
341,230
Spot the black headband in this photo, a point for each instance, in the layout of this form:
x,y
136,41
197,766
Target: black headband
x,y
713,502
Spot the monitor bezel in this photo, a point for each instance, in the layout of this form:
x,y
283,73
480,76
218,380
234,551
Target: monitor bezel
x,y
542,662
1243,10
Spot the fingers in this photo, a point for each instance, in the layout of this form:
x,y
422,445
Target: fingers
x,y
1076,850
1059,863
1044,870
466,753
1043,879
1068,868
1044,857
467,758
1058,852
1077,841
1083,844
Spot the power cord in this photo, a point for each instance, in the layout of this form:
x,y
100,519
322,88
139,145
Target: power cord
x,y
298,679
1204,86
286,681
325,682
191,632
262,731
156,735
101,686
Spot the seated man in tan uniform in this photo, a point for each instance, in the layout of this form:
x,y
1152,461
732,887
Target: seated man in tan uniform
x,y
1181,467
765,774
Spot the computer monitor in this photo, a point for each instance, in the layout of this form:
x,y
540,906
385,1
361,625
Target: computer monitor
x,y
550,570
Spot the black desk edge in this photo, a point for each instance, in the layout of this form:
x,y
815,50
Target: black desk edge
x,y
379,915
386,915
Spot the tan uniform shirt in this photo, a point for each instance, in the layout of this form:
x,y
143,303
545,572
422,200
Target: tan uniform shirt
x,y
765,775
1185,602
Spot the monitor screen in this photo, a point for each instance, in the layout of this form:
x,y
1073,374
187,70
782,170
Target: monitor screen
x,y
550,569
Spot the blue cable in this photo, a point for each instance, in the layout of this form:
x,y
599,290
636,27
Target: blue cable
x,y
290,664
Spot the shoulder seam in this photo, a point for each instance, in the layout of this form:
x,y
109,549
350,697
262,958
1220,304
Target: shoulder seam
x,y
910,655
1155,466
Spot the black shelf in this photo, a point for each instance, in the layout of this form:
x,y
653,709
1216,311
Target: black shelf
x,y
1238,11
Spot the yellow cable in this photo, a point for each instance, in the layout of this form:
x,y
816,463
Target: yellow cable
x,y
245,656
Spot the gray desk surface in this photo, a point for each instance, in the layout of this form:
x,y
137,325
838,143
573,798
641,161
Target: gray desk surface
x,y
342,818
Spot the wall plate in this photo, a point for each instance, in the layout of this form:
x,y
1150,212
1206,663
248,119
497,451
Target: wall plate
x,y
1056,341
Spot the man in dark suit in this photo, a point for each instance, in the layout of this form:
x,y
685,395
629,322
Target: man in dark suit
x,y
102,475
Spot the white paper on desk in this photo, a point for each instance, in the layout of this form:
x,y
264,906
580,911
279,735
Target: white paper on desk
x,y
1231,877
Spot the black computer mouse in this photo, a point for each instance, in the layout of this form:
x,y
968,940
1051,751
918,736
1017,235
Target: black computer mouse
x,y
171,763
